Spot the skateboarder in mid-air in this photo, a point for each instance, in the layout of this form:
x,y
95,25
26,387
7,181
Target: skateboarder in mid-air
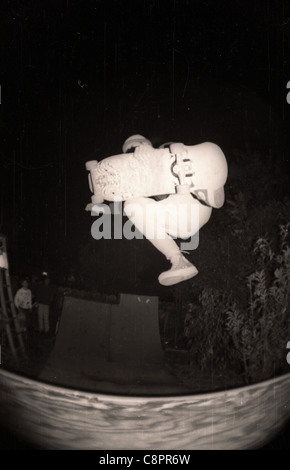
x,y
180,215
169,193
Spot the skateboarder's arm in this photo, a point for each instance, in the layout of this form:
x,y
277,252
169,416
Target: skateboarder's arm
x,y
177,148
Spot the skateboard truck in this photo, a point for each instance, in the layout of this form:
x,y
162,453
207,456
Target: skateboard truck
x,y
182,168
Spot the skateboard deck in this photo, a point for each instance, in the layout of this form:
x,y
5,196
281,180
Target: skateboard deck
x,y
180,168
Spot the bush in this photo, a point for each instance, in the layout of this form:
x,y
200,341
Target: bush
x,y
210,347
260,331
248,337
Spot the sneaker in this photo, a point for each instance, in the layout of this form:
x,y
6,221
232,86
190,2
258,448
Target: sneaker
x,y
181,270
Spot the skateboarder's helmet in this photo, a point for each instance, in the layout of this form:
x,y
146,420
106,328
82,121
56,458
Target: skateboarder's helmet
x,y
210,173
134,141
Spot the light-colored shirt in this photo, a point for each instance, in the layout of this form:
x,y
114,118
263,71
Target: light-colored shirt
x,y
23,298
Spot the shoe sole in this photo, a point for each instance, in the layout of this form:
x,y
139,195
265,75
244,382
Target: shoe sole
x,y
170,280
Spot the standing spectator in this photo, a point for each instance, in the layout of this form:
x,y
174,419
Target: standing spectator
x,y
23,303
34,284
44,296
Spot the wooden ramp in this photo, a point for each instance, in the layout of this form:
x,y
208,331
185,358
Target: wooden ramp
x,y
112,348
58,418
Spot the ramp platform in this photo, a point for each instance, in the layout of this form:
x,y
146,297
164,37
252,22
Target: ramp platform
x,y
112,348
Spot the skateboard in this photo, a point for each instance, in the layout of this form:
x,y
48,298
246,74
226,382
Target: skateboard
x,y
180,169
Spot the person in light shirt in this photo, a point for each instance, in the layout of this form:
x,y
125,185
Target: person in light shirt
x,y
23,303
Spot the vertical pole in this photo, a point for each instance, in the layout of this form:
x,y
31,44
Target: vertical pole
x,y
13,310
10,301
6,319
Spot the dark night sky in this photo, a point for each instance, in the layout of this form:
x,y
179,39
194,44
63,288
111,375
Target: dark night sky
x,y
78,76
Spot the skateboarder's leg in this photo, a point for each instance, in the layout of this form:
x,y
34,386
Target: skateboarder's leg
x,y
187,215
178,216
172,216
149,217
